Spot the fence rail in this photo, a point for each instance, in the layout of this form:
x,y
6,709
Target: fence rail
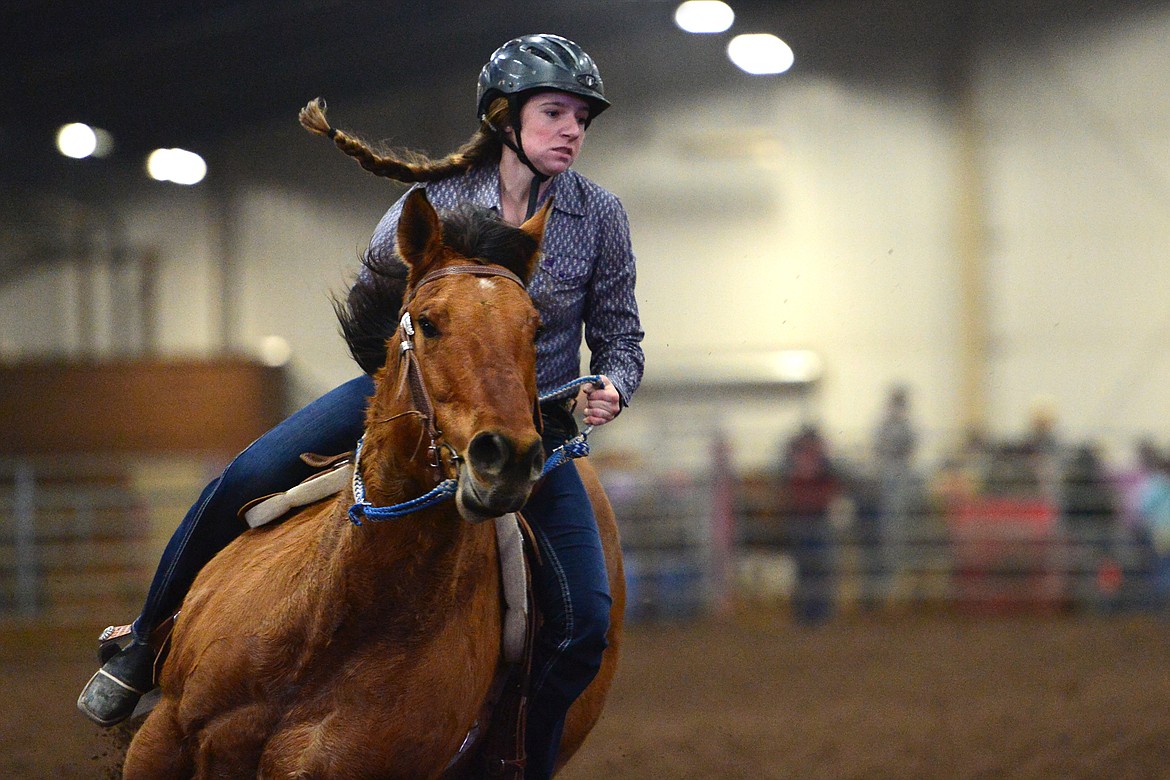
x,y
79,539
79,536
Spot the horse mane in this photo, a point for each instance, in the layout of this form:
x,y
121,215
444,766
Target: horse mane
x,y
369,314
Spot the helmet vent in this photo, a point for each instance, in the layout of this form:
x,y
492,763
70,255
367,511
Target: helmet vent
x,y
538,52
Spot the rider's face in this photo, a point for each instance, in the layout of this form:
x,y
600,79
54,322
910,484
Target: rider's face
x,y
552,128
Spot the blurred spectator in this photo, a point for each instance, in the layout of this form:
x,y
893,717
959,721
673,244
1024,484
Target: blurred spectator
x,y
1154,512
1043,452
1089,512
809,484
862,487
1135,549
962,475
1130,480
895,442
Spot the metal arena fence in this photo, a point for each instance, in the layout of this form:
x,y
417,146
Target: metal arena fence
x,y
80,536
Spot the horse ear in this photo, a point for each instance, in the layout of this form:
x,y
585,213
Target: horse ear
x,y
534,228
419,231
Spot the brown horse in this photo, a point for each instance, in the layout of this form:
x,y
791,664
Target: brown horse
x,y
319,648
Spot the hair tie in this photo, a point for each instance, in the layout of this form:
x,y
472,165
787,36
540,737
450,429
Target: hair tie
x,y
332,133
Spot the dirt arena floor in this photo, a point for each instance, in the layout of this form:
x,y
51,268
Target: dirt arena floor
x,y
755,697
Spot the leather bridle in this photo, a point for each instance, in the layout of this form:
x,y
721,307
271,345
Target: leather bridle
x,y
418,389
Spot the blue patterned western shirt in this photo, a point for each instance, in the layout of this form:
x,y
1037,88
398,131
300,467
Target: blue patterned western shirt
x,y
585,280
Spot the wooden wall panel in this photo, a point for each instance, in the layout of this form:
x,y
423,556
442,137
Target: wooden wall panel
x,y
137,406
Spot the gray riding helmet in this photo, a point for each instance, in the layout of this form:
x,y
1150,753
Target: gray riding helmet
x,y
540,61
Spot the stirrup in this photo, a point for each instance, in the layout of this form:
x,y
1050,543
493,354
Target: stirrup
x,y
112,640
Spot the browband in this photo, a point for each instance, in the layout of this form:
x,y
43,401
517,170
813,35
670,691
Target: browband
x,y
475,270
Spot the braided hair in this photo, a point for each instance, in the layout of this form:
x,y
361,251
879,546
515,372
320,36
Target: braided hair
x,y
366,314
408,166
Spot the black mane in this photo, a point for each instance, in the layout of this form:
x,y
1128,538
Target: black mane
x,y
479,233
369,314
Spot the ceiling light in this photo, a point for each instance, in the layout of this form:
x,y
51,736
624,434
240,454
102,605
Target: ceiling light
x,y
760,54
796,365
76,140
704,16
176,165
79,140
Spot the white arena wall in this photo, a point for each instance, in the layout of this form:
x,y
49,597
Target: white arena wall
x,y
815,215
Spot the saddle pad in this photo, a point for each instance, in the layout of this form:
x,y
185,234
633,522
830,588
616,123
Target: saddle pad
x,y
315,488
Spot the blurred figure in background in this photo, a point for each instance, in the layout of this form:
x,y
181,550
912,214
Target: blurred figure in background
x,y
1136,547
962,475
809,484
863,487
1042,449
1089,512
895,442
1154,514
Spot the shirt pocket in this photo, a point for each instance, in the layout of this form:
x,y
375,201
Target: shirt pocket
x,y
560,287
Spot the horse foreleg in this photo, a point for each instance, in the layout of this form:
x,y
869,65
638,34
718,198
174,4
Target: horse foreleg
x,y
230,745
158,750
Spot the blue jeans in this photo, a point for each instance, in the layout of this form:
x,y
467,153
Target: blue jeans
x,y
572,591
330,425
572,587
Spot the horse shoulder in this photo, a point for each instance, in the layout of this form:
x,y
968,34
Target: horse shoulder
x,y
243,613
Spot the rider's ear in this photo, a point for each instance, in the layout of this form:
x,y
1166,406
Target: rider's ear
x,y
534,228
419,234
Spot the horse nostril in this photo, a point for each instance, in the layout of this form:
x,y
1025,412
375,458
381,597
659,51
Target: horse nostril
x,y
489,452
534,457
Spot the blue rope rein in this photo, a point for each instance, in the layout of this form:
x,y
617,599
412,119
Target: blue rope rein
x,y
576,447
361,507
568,389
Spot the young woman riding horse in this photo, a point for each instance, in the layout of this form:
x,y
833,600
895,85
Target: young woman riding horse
x,y
360,637
537,95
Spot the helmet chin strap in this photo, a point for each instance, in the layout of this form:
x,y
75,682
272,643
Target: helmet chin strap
x,y
533,192
538,178
516,146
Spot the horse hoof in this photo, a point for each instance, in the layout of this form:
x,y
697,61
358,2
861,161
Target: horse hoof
x,y
112,693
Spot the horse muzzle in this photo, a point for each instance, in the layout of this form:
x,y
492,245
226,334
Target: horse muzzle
x,y
496,475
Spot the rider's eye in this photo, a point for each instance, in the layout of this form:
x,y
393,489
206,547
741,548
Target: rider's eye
x,y
427,327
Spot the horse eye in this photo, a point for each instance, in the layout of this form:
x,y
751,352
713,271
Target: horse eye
x,y
427,327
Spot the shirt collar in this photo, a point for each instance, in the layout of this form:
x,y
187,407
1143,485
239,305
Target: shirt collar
x,y
565,190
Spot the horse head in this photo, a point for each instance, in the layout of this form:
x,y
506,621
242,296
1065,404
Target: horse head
x,y
469,327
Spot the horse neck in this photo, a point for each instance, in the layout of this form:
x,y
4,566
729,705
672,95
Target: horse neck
x,y
398,582
413,561
412,568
